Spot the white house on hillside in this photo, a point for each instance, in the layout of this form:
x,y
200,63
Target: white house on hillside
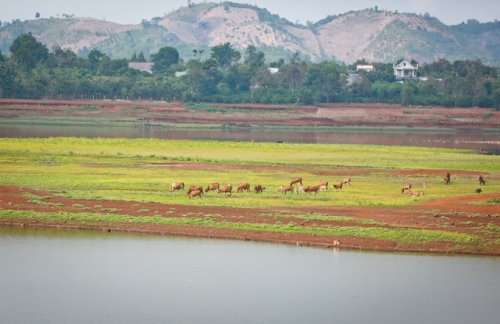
x,y
405,70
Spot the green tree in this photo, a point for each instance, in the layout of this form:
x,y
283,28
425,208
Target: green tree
x,y
496,98
140,57
165,57
7,80
225,55
202,78
323,80
94,59
293,73
27,51
253,58
407,95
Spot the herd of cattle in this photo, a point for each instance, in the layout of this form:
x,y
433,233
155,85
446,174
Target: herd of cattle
x,y
194,191
446,179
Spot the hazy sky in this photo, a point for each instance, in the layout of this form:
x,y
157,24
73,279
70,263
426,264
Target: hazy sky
x,y
450,12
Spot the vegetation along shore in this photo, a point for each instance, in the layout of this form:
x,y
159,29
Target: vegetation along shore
x,y
124,185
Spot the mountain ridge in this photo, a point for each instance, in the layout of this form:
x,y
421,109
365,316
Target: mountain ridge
x,y
368,34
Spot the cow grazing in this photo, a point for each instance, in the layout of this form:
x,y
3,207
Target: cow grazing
x,y
285,189
346,181
195,193
258,189
323,188
323,184
212,186
339,186
479,190
278,189
195,188
226,189
299,189
481,180
311,189
406,186
296,180
243,186
177,186
447,178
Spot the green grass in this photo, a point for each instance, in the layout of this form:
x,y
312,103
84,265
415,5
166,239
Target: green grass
x,y
57,150
405,236
142,170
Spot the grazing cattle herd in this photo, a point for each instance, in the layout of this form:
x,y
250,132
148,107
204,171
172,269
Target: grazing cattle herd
x,y
322,186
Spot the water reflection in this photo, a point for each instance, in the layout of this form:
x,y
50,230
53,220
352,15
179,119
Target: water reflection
x,y
475,140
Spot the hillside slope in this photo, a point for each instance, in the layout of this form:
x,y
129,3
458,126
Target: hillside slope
x,y
370,34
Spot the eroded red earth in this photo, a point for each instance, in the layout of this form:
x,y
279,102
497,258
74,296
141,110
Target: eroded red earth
x,y
431,215
244,115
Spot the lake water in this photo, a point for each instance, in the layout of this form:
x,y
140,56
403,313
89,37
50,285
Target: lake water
x,y
475,140
85,277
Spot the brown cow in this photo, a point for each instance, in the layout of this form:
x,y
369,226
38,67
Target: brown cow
x,y
195,193
299,189
339,186
243,186
312,189
296,180
323,188
416,193
406,186
285,189
346,181
195,188
447,178
226,189
324,183
177,186
258,189
212,186
481,180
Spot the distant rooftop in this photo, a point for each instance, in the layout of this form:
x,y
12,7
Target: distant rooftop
x,y
141,66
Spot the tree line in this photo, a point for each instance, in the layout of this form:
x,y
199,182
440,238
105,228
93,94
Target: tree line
x,y
226,75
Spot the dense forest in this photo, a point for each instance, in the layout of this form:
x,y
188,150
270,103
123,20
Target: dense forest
x,y
226,75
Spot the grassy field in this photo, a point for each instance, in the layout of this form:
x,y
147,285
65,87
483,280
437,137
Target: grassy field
x,y
89,173
143,169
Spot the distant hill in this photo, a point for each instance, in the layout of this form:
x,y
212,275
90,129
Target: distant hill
x,y
346,38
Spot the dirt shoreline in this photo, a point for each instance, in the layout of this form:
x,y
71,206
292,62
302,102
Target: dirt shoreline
x,y
149,114
449,210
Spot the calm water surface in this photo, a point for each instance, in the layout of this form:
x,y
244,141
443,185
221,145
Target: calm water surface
x,y
486,141
83,277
